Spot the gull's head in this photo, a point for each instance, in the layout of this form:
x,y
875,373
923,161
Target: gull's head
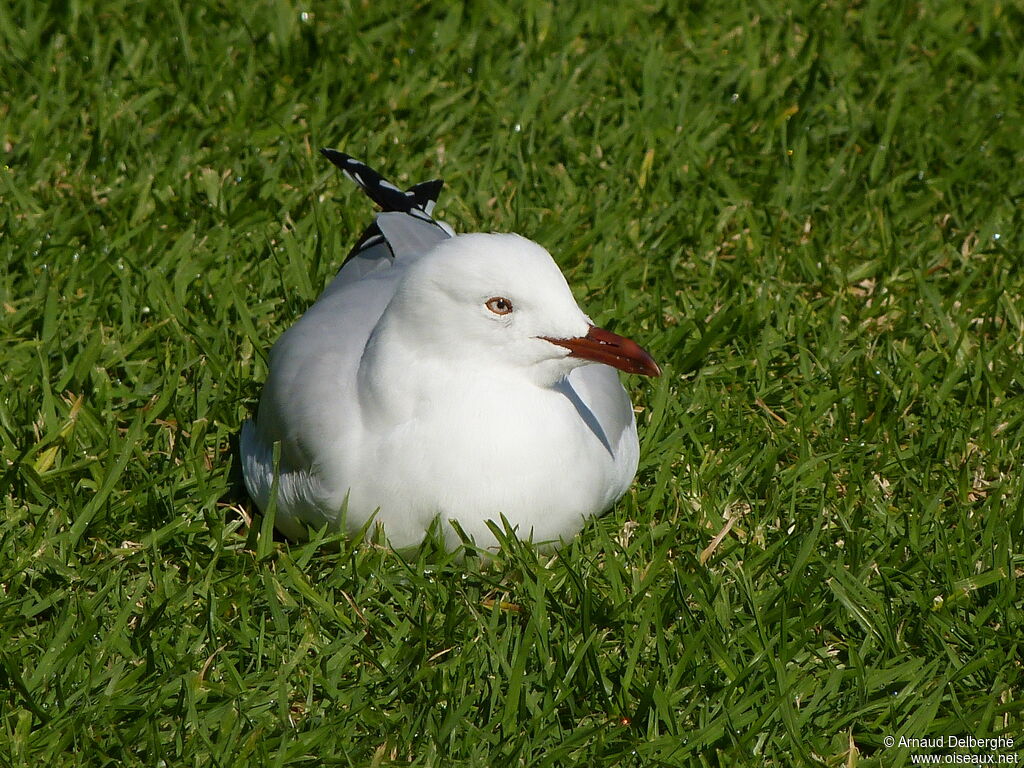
x,y
501,303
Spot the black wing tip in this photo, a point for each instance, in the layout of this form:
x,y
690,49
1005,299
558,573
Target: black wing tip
x,y
387,195
427,190
340,159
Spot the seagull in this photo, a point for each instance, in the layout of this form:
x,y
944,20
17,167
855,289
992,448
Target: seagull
x,y
442,376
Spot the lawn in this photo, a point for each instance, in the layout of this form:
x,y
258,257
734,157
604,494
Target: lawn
x,y
809,212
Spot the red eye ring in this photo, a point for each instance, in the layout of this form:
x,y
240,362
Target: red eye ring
x,y
499,305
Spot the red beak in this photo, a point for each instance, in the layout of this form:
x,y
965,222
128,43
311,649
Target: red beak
x,y
609,348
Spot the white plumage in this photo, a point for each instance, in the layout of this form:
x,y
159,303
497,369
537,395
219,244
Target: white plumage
x,y
443,376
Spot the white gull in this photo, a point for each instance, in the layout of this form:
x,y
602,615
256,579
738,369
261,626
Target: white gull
x,y
443,376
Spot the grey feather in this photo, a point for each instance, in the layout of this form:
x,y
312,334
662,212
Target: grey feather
x,y
408,235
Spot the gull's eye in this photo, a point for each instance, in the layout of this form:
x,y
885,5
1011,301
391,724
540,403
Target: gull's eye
x,y
499,305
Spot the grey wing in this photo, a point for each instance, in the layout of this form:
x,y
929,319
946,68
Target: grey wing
x,y
606,407
401,237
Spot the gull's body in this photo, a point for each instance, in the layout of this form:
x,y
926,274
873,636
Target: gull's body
x,y
407,391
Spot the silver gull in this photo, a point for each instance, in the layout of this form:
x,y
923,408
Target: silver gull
x,y
443,376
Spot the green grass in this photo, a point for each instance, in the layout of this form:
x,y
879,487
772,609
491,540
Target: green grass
x,y
810,212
